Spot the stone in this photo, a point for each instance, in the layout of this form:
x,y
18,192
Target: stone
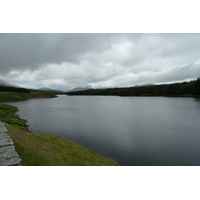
x,y
11,162
7,149
6,142
3,129
8,154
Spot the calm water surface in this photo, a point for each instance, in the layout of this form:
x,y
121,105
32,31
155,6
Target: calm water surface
x,y
144,131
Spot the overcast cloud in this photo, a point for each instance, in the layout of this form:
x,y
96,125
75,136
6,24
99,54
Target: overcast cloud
x,y
66,61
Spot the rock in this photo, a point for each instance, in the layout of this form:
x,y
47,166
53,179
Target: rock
x,y
10,162
8,154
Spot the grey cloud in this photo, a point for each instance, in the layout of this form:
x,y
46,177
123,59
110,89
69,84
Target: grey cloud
x,y
187,72
190,71
98,59
30,51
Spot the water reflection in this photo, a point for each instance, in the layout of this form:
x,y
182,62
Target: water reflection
x,y
131,130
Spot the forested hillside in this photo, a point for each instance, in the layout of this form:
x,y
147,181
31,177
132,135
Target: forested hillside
x,y
13,89
191,88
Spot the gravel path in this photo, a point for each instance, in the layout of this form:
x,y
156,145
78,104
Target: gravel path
x,y
8,155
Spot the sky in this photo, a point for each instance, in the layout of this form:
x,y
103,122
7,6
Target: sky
x,y
69,60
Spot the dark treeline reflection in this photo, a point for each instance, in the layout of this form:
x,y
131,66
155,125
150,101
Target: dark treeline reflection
x,y
191,88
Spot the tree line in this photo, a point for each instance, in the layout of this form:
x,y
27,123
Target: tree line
x,y
191,88
13,89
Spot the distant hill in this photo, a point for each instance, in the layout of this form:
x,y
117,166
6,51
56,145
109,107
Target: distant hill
x,y
4,83
16,87
7,87
45,89
183,89
80,89
144,85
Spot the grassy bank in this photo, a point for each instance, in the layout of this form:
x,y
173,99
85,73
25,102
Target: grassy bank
x,y
8,115
50,150
14,96
45,150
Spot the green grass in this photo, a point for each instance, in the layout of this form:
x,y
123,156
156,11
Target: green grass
x,y
50,150
11,96
39,95
14,96
8,115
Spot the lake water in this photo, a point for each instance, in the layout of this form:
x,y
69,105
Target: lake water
x,y
142,131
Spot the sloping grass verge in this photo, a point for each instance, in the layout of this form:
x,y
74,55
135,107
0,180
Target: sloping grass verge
x,y
50,150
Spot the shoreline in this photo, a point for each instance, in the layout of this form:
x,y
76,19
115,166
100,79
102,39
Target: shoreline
x,y
144,95
45,149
